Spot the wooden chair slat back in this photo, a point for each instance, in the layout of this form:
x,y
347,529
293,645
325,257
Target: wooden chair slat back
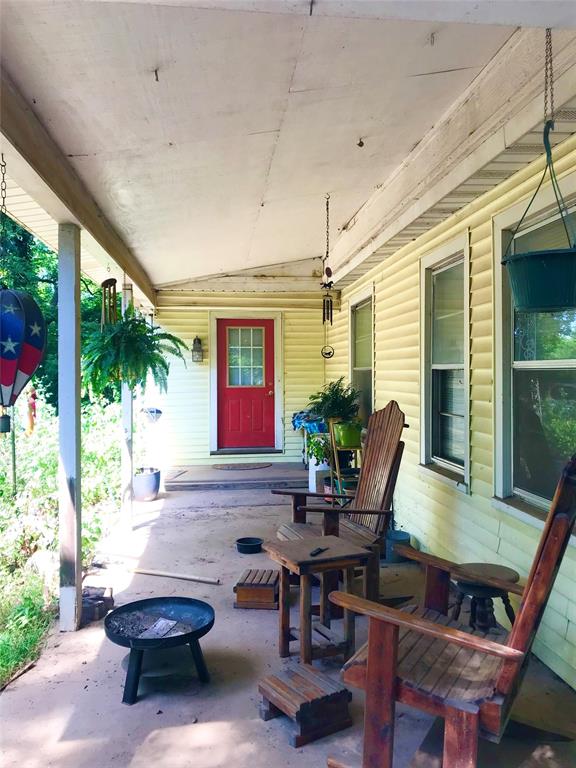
x,y
373,522
553,542
380,464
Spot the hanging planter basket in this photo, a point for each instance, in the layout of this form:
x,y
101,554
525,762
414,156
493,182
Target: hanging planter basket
x,y
545,281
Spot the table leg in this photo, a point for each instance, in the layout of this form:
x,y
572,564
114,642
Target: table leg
x,y
328,583
305,619
197,655
284,617
349,625
132,676
509,610
372,577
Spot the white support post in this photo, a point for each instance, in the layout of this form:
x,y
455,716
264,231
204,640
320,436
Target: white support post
x,y
127,462
70,514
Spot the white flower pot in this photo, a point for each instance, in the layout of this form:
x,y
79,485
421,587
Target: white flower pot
x,y
316,474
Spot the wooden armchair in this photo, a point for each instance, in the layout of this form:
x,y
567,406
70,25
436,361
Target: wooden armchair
x,y
421,658
365,522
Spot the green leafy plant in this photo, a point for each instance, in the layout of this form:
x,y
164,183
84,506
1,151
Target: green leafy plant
x,y
127,351
318,447
24,621
29,520
336,400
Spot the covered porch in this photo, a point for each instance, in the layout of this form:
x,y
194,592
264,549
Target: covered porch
x,y
188,150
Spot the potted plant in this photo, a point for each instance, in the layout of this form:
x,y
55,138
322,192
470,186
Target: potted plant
x,y
545,280
339,403
146,483
127,351
319,455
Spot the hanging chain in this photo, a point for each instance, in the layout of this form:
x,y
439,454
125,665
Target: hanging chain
x,y
327,228
548,79
3,214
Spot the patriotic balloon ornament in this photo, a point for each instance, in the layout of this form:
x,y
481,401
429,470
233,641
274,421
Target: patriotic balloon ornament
x,y
22,331
22,342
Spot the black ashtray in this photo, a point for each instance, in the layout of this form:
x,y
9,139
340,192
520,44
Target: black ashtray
x,y
249,545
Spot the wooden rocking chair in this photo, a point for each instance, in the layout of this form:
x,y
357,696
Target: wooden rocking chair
x,y
421,658
365,522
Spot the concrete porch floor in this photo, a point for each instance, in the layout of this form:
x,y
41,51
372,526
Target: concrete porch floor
x,y
67,710
263,474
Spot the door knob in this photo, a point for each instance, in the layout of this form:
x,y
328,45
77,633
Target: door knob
x,y
270,392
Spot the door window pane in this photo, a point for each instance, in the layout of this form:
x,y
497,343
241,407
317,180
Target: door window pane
x,y
544,418
448,315
245,357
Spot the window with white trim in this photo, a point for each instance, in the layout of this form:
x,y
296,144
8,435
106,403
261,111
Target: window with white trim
x,y
542,370
445,362
361,353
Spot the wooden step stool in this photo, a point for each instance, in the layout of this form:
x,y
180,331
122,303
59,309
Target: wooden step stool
x,y
317,705
257,589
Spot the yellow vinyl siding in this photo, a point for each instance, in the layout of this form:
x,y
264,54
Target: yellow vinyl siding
x,y
184,429
443,519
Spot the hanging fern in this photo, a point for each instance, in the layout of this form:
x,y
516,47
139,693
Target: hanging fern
x,y
127,351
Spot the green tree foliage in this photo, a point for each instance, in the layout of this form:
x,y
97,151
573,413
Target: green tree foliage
x,y
27,264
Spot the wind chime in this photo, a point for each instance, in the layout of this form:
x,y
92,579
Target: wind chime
x,y
22,330
327,351
109,303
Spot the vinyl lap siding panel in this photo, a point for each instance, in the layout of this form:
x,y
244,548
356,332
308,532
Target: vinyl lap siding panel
x,y
183,432
447,521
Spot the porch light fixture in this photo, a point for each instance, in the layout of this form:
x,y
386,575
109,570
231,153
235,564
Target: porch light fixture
x,y
197,353
545,281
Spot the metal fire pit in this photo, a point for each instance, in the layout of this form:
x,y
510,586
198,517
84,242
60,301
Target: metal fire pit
x,y
159,622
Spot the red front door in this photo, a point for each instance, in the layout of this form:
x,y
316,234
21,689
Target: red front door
x,y
245,383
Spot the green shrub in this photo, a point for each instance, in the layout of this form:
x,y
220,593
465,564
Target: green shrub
x,y
24,621
29,521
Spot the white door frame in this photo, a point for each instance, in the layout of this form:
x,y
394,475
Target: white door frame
x,y
240,314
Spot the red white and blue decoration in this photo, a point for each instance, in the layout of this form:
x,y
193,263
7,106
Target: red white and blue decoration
x,y
22,342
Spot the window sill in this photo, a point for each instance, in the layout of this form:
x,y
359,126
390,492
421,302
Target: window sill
x,y
445,476
525,513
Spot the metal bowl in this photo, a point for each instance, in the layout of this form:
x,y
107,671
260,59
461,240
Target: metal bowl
x,y
249,545
194,619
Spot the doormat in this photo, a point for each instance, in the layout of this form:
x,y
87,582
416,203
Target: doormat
x,y
241,466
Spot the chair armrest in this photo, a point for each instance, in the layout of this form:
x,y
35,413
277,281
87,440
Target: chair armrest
x,y
425,627
306,492
346,511
457,571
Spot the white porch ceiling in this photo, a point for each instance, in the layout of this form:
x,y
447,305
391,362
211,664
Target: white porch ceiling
x,y
209,136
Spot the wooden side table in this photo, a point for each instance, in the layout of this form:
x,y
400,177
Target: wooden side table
x,y
317,638
482,603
